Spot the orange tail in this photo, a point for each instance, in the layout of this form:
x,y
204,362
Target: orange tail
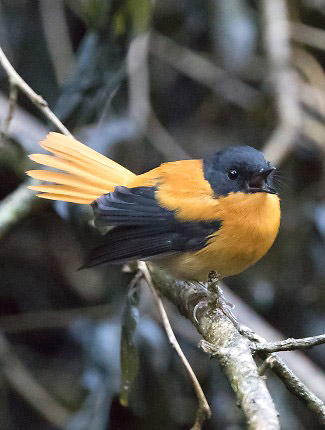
x,y
88,173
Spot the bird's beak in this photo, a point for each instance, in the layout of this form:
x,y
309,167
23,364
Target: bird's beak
x,y
258,182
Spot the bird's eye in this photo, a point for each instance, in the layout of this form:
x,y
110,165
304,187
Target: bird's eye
x,y
233,174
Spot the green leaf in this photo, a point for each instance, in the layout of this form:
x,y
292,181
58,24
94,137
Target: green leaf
x,y
129,356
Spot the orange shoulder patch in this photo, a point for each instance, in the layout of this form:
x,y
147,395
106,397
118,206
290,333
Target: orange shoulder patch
x,y
182,187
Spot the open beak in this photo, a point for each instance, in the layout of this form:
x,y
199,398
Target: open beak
x,y
258,182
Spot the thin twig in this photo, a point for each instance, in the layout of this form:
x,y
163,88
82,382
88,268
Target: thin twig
x,y
306,370
296,387
203,411
284,80
21,380
20,202
289,344
288,377
13,92
17,81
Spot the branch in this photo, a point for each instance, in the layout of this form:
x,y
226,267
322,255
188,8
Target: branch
x,y
232,350
42,105
14,207
306,370
289,344
303,367
290,380
295,385
203,411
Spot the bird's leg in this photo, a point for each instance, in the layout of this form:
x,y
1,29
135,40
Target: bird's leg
x,y
218,298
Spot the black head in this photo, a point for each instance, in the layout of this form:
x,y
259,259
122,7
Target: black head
x,y
239,169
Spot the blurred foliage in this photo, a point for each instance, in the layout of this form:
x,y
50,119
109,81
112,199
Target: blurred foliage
x,y
77,357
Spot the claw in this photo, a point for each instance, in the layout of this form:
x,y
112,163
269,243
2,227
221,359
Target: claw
x,y
201,304
219,299
215,298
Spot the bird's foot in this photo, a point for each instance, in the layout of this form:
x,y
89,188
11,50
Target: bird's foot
x,y
218,299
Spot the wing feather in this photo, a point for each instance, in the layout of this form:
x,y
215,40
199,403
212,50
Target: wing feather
x,y
143,229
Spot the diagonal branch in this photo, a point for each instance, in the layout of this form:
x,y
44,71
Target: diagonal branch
x,y
296,386
232,350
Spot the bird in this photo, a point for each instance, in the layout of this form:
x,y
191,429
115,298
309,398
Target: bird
x,y
219,214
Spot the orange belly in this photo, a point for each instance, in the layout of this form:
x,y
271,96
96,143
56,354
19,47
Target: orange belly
x,y
250,223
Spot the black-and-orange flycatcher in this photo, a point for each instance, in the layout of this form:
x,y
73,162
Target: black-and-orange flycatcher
x,y
219,214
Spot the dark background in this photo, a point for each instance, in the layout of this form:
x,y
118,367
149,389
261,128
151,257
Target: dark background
x,y
63,326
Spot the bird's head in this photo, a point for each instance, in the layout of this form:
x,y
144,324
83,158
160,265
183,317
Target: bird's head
x,y
239,169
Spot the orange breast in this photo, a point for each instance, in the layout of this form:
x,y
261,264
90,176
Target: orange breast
x,y
250,223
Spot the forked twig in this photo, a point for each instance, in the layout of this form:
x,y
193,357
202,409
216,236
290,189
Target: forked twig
x,y
288,377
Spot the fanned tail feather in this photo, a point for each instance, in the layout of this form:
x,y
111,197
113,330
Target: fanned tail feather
x,y
88,174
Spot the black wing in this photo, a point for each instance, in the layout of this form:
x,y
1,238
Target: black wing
x,y
143,229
